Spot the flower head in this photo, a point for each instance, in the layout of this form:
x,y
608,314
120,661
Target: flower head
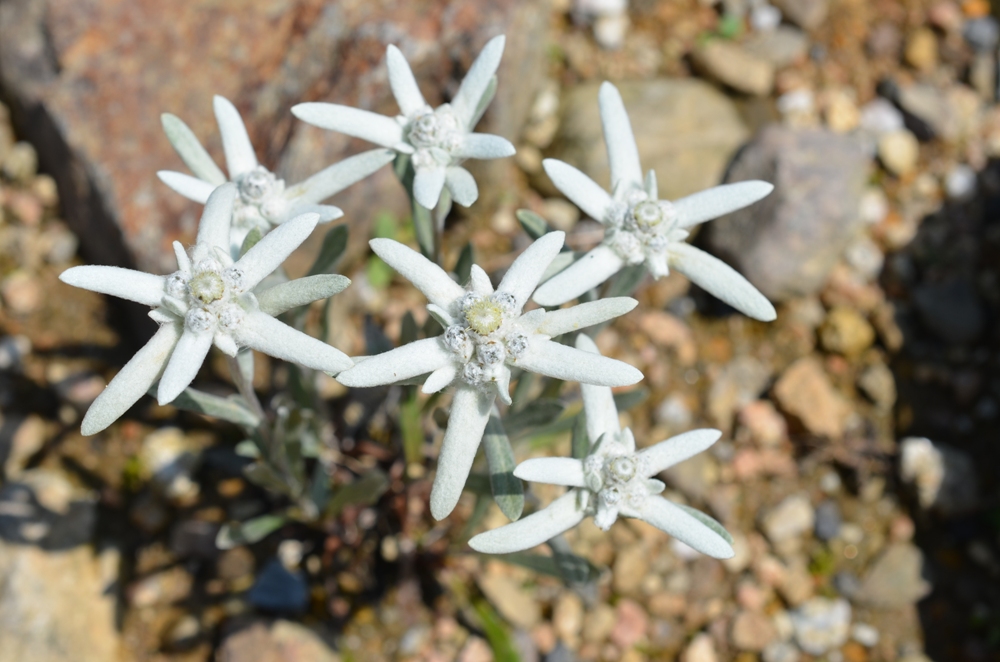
x,y
642,229
263,201
614,480
210,299
438,139
486,334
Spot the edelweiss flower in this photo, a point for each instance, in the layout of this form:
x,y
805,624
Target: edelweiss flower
x,y
263,200
210,300
485,335
641,228
614,480
437,138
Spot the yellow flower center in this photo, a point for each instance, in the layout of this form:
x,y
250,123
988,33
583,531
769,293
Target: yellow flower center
x,y
207,287
484,316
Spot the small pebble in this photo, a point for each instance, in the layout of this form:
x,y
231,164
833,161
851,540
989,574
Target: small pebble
x,y
899,151
982,33
828,520
960,184
880,116
865,634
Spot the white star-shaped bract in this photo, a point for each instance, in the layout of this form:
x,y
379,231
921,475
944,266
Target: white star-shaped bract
x,y
642,229
438,139
263,201
613,480
210,300
486,335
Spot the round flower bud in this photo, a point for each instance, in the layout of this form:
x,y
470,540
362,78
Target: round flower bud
x,y
199,320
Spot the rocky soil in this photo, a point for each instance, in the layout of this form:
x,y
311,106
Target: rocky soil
x,y
859,462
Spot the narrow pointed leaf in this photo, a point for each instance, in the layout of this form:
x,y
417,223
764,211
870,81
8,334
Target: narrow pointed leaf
x,y
463,268
229,409
334,244
234,534
507,489
300,292
190,149
532,223
365,491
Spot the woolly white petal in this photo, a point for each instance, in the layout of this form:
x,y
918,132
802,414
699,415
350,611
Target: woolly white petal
x,y
480,281
129,284
240,157
225,343
667,453
714,202
427,185
470,409
216,218
416,358
185,361
484,146
552,470
583,315
265,334
363,124
183,259
651,188
559,516
190,149
268,253
623,154
578,187
598,401
586,273
555,360
334,179
440,378
673,520
326,213
477,80
132,381
440,315
502,384
426,276
462,185
190,187
721,280
403,84
523,275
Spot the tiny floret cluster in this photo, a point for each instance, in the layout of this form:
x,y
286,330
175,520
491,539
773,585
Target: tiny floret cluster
x,y
612,481
642,229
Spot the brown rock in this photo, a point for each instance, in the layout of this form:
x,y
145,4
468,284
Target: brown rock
x,y
22,293
671,332
846,332
631,625
90,81
752,631
631,567
808,14
730,64
804,391
921,51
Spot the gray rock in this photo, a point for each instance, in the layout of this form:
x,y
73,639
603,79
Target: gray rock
x,y
808,14
828,520
739,383
982,33
782,47
787,243
951,310
781,651
687,131
822,625
896,579
879,384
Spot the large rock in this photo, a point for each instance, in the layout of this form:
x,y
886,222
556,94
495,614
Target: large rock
x,y
787,243
263,641
89,81
55,602
896,579
686,130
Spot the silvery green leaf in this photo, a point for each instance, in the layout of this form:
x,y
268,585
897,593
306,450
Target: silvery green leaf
x,y
718,201
190,187
627,281
484,102
708,521
247,448
579,442
586,273
470,411
240,157
412,429
254,236
625,400
463,268
536,414
253,530
559,263
263,475
574,569
229,408
477,80
364,124
334,244
623,154
719,279
532,223
190,149
552,359
507,489
183,366
364,491
526,271
408,329
580,316
268,254
300,292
